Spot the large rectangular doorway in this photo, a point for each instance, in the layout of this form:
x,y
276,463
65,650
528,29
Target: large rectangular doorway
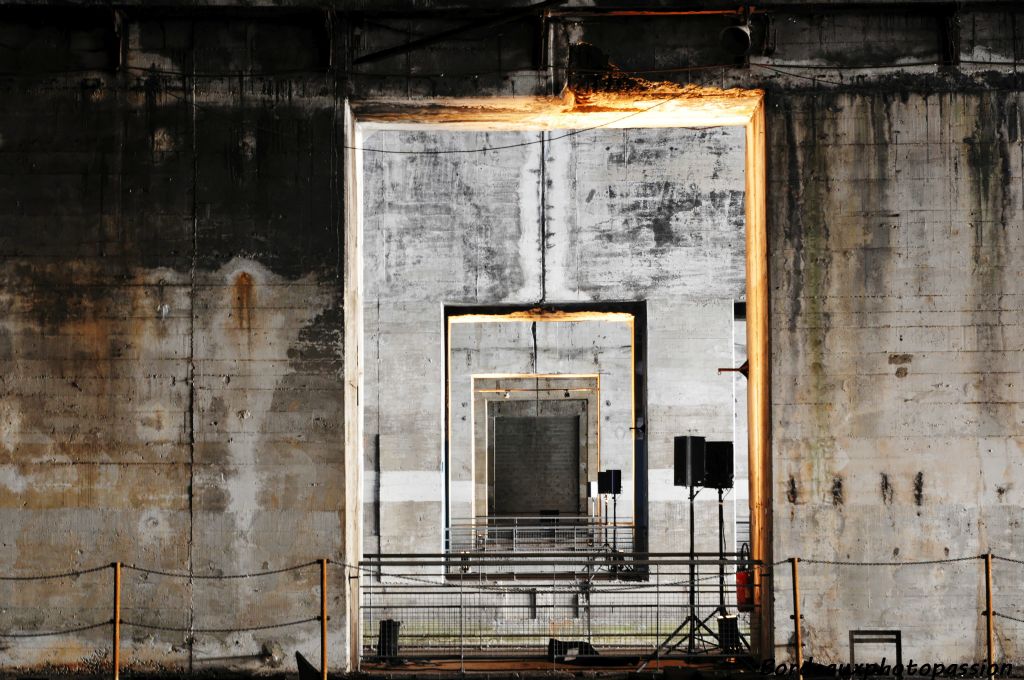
x,y
570,261
536,466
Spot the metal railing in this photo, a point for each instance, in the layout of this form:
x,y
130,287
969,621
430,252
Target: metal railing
x,y
538,534
146,623
742,531
489,605
516,605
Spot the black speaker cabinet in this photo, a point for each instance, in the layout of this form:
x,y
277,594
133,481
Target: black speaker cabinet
x,y
609,481
387,638
689,461
718,464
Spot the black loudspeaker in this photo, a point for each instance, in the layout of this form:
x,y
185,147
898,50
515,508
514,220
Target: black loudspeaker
x,y
718,463
689,461
387,638
609,481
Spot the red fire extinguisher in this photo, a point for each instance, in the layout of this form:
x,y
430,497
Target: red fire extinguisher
x,y
745,581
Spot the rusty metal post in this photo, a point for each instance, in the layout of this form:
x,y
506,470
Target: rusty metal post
x,y
116,653
989,614
323,619
795,564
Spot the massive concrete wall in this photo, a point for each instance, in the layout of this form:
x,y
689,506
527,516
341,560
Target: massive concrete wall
x,y
897,248
171,370
170,245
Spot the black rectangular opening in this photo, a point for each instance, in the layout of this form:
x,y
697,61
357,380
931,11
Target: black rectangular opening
x,y
638,310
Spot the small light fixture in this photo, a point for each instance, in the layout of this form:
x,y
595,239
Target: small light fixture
x,y
736,39
508,395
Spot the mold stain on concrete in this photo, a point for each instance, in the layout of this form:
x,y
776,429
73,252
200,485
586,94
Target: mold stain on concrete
x,y
886,489
808,209
919,488
989,150
837,491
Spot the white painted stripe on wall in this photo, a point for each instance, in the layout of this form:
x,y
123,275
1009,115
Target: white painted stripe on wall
x,y
660,488
416,485
462,492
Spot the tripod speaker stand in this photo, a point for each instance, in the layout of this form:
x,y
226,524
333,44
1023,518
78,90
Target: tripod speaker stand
x,y
699,465
610,482
690,471
719,457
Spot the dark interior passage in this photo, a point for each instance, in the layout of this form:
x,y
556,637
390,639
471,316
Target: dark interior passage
x,y
536,466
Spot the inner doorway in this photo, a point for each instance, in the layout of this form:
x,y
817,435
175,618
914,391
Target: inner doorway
x,y
534,442
538,453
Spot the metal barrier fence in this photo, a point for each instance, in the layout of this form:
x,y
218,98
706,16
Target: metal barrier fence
x,y
538,534
514,604
120,575
950,603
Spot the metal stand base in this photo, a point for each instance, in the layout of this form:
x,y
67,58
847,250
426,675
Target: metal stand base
x,y
694,625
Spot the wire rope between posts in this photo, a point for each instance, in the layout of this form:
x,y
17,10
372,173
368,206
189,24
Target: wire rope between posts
x,y
1007,616
50,577
948,560
244,629
1007,559
218,577
54,633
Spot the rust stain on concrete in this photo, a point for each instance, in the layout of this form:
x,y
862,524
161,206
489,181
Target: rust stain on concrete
x,y
245,301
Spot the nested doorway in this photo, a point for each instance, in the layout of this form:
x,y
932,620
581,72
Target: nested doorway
x,y
537,458
537,445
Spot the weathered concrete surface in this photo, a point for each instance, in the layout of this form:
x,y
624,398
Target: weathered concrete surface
x,y
171,365
653,215
896,258
133,203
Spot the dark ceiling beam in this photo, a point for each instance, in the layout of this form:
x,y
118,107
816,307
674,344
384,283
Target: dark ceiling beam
x,y
492,22
656,8
460,7
497,12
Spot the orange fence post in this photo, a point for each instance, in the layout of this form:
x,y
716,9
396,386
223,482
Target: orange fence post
x,y
116,654
989,614
795,563
323,619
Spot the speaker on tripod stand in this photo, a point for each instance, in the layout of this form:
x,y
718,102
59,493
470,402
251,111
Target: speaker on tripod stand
x,y
690,471
689,461
719,476
610,482
718,465
700,464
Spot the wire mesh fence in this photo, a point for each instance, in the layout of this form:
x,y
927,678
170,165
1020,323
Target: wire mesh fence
x,y
521,605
